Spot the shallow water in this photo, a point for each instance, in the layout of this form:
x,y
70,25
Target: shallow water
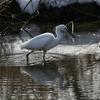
x,y
71,70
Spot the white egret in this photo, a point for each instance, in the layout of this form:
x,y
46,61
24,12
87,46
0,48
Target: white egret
x,y
45,41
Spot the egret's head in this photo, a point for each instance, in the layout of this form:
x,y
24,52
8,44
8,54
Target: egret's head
x,y
63,28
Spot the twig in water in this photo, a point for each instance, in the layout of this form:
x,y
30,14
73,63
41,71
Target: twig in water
x,y
72,25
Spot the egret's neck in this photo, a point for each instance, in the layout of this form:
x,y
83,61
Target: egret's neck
x,y
59,35
58,38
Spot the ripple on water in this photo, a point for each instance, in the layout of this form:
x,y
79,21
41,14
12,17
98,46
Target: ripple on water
x,y
71,70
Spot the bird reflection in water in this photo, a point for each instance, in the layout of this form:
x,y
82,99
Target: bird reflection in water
x,y
44,74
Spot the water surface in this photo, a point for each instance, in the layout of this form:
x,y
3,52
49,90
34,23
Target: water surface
x,y
71,70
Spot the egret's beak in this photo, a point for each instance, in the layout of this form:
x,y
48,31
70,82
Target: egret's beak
x,y
70,33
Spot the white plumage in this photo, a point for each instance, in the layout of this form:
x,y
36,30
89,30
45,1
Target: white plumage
x,y
45,41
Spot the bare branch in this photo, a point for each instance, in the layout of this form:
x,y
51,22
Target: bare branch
x,y
26,5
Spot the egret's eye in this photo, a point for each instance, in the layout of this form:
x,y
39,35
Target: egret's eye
x,y
65,29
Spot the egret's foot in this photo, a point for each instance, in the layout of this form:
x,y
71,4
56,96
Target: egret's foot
x,y
44,58
44,52
27,61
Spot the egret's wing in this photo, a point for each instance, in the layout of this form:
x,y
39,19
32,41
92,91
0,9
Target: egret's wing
x,y
40,42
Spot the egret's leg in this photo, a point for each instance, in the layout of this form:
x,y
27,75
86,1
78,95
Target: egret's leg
x,y
28,55
44,52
